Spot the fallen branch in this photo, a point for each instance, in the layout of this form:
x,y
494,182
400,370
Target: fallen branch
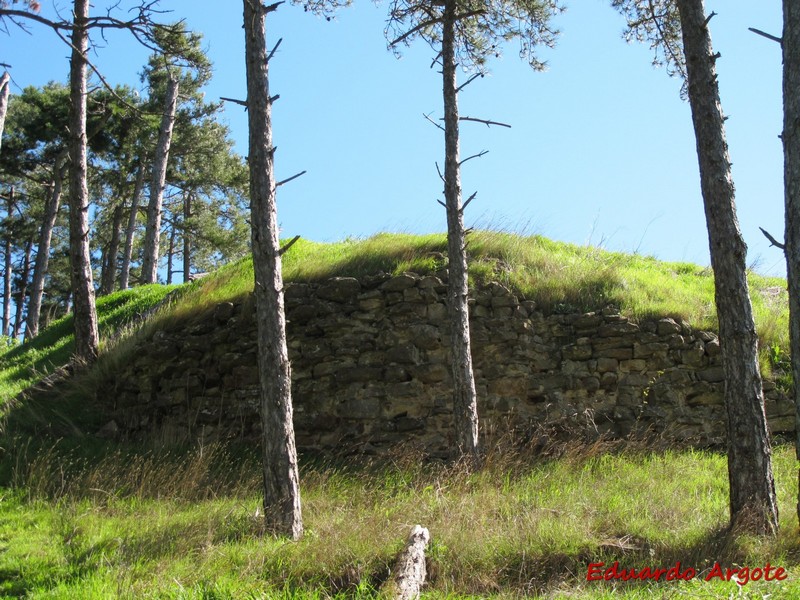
x,y
408,576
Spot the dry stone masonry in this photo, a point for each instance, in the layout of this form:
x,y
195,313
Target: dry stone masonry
x,y
370,371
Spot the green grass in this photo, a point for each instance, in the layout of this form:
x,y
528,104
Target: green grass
x,y
559,277
82,517
23,365
523,527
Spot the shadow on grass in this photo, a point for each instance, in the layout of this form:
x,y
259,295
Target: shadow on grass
x,y
543,573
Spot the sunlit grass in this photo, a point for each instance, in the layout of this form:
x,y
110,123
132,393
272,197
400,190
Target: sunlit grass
x,y
23,365
520,528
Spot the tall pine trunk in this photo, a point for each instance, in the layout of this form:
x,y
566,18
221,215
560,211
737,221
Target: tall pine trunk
x,y
23,286
752,488
281,480
130,230
171,252
86,335
42,261
187,242
5,90
112,253
465,399
791,181
159,176
7,275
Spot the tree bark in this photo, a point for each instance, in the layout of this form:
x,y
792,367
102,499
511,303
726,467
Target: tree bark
x,y
282,511
7,276
109,275
752,489
130,230
465,399
153,229
23,287
5,90
409,572
791,181
187,247
85,315
42,261
170,252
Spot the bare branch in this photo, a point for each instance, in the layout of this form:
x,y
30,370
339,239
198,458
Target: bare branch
x,y
478,155
280,183
273,98
428,116
438,170
288,245
766,35
414,30
463,206
271,54
24,14
773,241
484,121
272,7
468,81
234,100
708,18
442,203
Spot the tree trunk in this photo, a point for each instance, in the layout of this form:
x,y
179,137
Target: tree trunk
x,y
752,488
110,268
23,287
465,399
791,181
5,90
281,480
42,261
159,176
86,335
130,231
170,253
187,248
7,246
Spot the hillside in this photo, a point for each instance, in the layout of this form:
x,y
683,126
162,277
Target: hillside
x,y
559,277
93,516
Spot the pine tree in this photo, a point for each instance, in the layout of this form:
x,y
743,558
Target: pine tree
x,y
466,32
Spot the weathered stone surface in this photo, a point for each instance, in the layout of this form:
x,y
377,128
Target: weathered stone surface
x,y
370,367
401,282
339,289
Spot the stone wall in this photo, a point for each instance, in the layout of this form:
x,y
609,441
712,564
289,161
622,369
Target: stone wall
x,y
369,366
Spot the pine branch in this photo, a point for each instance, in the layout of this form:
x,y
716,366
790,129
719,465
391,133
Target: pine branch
x,y
773,241
766,35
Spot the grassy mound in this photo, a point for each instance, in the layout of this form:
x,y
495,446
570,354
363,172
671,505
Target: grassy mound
x,y
83,517
559,277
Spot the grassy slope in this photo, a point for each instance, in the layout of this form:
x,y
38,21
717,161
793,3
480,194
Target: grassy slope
x,y
187,527
82,517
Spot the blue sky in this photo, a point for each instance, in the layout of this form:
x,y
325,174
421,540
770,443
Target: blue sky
x,y
601,149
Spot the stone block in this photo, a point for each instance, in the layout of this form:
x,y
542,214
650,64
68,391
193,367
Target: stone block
x,y
667,327
339,289
401,282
